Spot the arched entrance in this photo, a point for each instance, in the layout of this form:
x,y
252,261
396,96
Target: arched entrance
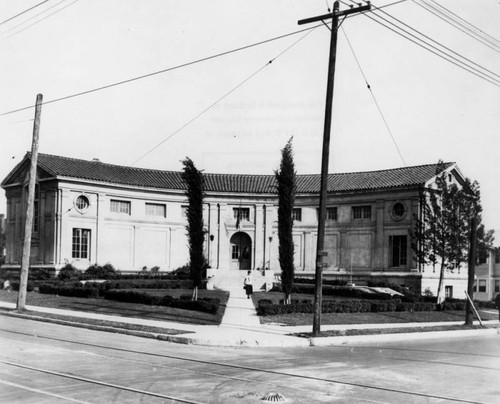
x,y
241,247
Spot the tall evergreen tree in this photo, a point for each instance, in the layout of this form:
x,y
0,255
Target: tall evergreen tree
x,y
195,193
286,182
441,234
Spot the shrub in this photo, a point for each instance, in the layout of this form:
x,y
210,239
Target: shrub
x,y
69,290
485,305
40,274
206,305
107,271
183,272
266,308
15,286
150,284
386,305
453,304
69,272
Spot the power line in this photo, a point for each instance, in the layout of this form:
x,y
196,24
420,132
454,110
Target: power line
x,y
35,16
23,12
450,19
466,22
224,96
439,44
169,69
429,47
440,52
374,98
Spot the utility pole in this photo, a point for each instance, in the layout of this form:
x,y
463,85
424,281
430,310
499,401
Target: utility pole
x,y
320,253
25,263
472,270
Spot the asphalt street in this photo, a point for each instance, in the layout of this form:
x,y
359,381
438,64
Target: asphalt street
x,y
48,363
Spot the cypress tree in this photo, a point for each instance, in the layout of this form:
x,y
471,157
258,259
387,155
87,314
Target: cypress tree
x,y
196,236
286,183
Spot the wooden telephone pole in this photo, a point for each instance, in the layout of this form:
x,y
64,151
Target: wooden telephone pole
x,y
320,252
25,263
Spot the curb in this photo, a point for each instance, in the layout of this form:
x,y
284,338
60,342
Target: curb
x,y
94,327
353,339
286,341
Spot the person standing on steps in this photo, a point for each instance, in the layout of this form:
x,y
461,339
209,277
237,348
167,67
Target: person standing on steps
x,y
248,284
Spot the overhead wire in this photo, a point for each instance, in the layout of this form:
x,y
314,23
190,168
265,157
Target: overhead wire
x,y
40,20
459,25
232,90
438,43
425,45
374,98
169,69
23,12
466,23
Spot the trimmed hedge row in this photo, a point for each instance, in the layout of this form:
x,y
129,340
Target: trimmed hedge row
x,y
205,305
267,308
103,287
149,284
69,290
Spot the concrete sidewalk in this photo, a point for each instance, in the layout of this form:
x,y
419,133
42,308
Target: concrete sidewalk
x,y
240,327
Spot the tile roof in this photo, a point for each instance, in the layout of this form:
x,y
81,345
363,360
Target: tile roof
x,y
58,166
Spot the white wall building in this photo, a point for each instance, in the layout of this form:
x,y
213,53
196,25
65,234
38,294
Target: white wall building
x,y
90,212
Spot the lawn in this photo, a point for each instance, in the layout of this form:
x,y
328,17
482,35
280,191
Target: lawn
x,y
359,318
110,307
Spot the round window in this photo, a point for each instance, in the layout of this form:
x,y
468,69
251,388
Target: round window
x,y
398,210
82,203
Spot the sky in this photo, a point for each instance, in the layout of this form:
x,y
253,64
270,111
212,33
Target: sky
x,y
234,113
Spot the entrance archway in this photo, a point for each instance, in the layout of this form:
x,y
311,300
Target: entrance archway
x,y
241,247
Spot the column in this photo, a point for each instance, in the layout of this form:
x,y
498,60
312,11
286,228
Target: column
x,y
378,245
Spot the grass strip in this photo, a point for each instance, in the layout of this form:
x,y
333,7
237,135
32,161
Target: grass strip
x,y
95,324
399,330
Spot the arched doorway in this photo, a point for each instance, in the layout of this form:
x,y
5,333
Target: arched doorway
x,y
241,247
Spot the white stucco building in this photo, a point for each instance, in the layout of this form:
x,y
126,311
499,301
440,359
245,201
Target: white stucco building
x,y
91,212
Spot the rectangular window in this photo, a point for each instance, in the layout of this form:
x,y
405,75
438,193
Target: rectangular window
x,y
331,213
497,257
241,214
448,291
497,286
361,212
235,252
120,206
399,247
156,209
80,246
482,285
297,214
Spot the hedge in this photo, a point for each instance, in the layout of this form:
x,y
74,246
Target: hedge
x,y
267,308
206,305
15,286
150,284
68,290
